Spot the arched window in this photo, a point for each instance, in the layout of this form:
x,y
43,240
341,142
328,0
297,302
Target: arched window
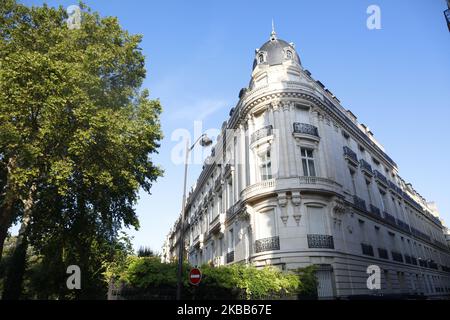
x,y
289,54
260,58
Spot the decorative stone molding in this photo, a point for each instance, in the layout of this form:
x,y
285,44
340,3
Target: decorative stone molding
x,y
338,207
284,218
282,199
296,199
297,218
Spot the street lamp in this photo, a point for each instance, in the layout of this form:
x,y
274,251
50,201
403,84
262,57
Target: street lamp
x,y
204,141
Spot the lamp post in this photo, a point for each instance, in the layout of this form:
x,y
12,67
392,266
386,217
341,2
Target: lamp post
x,y
204,142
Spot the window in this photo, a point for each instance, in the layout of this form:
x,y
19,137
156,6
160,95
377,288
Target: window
x,y
260,58
289,54
266,224
231,240
352,175
368,191
308,162
316,220
265,166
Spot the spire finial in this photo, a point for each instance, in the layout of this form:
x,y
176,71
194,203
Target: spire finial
x,y
273,35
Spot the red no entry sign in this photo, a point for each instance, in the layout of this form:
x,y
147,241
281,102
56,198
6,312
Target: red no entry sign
x,y
195,276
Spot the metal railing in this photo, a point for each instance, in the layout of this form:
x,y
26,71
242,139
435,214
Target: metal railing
x,y
261,133
230,256
367,249
381,177
359,203
267,244
320,241
349,153
305,128
397,256
365,166
383,253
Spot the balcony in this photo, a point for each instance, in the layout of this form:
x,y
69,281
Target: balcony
x,y
420,234
267,244
432,265
261,133
218,183
366,167
351,156
367,249
423,263
359,203
375,211
230,256
316,184
320,241
390,218
234,210
305,128
396,256
380,178
383,254
403,226
407,259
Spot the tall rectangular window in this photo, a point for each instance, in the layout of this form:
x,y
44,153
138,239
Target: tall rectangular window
x,y
309,168
265,166
231,240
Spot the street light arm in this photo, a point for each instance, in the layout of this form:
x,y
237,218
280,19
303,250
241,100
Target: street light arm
x,y
198,139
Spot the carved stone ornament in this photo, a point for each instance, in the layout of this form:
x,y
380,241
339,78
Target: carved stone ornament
x,y
339,208
297,218
282,199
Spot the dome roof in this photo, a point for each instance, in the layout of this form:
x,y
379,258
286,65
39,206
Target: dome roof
x,y
276,51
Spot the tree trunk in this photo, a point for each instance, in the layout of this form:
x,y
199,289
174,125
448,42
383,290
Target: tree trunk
x,y
16,269
7,207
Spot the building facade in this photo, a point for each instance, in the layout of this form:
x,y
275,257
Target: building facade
x,y
294,179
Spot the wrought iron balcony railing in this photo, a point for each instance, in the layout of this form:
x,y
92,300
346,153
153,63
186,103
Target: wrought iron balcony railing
x,y
305,128
382,253
262,133
420,234
230,256
403,226
375,210
267,244
432,265
367,249
233,210
380,177
351,155
359,203
397,256
320,241
423,263
407,259
365,166
390,218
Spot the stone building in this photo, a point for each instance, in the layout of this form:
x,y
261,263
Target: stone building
x,y
294,179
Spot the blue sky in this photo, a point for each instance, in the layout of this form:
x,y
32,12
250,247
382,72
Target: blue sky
x,y
199,54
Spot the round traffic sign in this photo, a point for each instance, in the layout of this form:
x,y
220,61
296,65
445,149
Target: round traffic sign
x,y
195,276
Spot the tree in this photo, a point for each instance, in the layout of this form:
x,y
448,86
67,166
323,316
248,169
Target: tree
x,y
76,133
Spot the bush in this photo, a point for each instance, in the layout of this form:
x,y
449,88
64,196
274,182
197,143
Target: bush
x,y
149,278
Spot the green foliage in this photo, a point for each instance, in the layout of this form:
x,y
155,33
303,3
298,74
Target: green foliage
x,y
149,277
145,252
75,123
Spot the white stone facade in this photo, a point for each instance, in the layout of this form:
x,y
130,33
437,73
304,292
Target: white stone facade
x,y
295,180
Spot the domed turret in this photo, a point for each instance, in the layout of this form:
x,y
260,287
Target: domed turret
x,y
275,52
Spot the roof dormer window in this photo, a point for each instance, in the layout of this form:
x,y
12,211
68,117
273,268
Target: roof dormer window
x,y
289,54
260,58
